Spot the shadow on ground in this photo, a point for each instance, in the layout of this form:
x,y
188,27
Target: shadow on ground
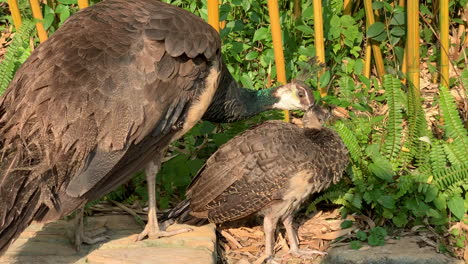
x,y
51,244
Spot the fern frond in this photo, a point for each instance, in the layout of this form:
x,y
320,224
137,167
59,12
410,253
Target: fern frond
x,y
9,63
438,158
392,145
350,141
464,76
417,128
451,178
453,124
327,196
454,154
405,183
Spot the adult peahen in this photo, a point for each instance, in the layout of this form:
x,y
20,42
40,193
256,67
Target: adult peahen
x,y
103,98
270,170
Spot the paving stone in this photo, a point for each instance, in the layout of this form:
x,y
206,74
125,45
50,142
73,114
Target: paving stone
x,y
51,243
403,251
151,255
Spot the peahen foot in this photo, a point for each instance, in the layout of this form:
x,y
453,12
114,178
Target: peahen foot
x,y
153,231
89,237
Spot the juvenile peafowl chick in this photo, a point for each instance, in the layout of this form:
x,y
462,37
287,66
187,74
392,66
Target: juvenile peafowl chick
x,y
270,170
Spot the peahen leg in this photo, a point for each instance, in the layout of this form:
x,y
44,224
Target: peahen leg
x,y
86,237
294,242
152,229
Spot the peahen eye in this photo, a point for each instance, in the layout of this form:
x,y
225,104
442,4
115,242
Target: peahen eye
x,y
301,94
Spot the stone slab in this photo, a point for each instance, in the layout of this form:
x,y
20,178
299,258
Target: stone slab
x,y
403,251
51,243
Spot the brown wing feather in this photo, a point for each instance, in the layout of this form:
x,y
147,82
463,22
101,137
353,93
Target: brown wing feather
x,y
254,169
114,76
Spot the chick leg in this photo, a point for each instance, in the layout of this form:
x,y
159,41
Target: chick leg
x,y
88,237
152,229
294,242
269,227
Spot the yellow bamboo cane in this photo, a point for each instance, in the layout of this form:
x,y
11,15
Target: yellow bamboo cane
x,y
37,14
277,45
347,7
213,14
368,58
83,4
444,42
15,13
413,45
319,41
375,47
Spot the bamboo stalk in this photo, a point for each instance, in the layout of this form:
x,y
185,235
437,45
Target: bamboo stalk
x,y
444,42
213,14
368,58
347,7
83,4
401,3
413,45
375,47
37,14
15,13
277,45
319,41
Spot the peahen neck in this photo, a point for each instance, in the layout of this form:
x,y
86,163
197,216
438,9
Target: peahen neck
x,y
233,102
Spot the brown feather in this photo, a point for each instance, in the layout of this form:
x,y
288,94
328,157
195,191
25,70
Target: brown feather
x,y
115,77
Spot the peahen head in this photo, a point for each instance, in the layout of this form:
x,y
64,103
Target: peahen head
x,y
293,96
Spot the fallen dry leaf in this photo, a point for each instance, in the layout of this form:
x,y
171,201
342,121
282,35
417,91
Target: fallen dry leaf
x,y
336,234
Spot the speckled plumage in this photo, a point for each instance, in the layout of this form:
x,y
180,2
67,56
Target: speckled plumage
x,y
101,99
253,170
111,87
269,169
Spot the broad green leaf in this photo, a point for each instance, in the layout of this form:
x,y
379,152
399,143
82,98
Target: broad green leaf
x,y
261,34
401,219
361,235
325,79
306,29
375,29
457,206
398,19
68,2
383,169
387,201
251,55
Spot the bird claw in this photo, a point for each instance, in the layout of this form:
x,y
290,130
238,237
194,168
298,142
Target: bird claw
x,y
153,233
89,237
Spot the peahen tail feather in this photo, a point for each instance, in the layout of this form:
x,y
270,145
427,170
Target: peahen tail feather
x,y
182,215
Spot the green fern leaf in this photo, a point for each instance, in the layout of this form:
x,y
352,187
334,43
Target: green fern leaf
x,y
454,154
464,76
392,145
453,125
9,64
350,141
438,158
451,178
